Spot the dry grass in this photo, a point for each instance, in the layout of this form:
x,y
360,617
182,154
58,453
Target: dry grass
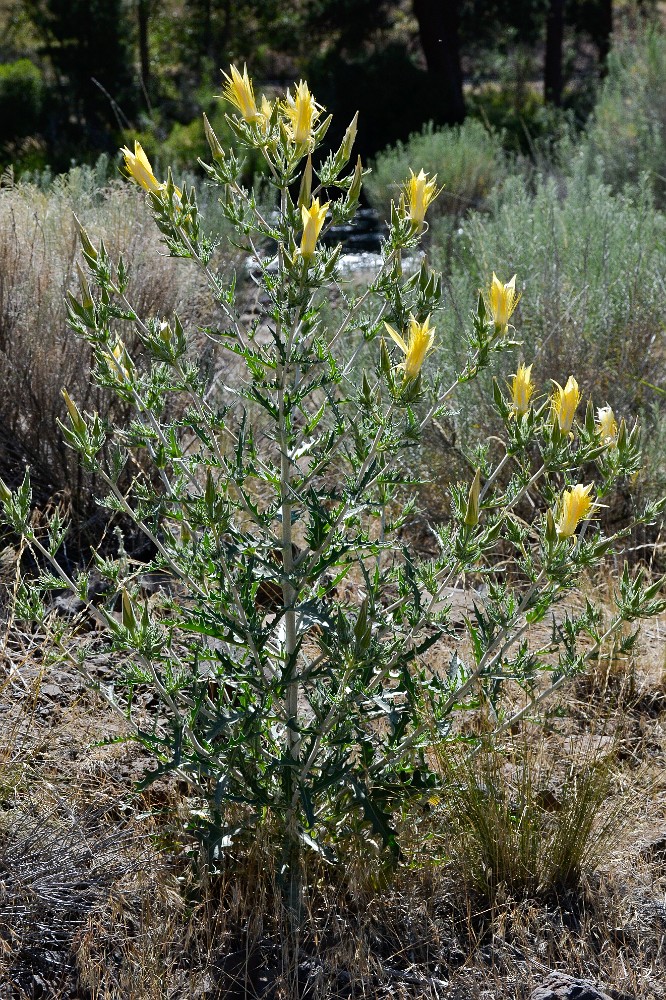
x,y
532,814
38,353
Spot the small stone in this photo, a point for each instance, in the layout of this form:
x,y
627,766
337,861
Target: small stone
x,y
53,691
559,986
69,604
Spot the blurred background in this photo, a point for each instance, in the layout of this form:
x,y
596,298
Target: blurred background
x,y
76,73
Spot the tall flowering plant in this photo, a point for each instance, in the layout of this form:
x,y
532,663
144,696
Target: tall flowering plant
x,y
302,662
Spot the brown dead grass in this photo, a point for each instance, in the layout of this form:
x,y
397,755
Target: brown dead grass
x,y
39,355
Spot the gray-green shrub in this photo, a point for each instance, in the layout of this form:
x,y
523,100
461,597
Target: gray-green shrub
x,y
592,265
626,137
468,161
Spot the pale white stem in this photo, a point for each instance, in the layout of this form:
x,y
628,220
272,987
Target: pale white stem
x,y
543,695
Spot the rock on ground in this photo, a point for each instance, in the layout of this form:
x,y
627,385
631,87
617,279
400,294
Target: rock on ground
x,y
561,987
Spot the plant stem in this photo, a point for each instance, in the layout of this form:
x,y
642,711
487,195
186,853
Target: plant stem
x,y
543,695
292,879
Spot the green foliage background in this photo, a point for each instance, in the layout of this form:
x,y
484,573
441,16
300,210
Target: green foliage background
x,y
105,66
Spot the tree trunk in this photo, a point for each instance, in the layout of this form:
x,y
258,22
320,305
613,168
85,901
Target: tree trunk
x,y
552,74
143,13
605,33
438,30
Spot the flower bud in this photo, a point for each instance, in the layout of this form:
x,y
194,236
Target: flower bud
x,y
551,530
87,247
305,192
78,423
216,149
357,180
472,512
384,359
129,618
86,297
348,139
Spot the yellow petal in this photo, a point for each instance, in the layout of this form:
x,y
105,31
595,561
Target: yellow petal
x,y
396,337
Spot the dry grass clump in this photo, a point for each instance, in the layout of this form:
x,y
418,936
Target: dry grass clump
x,y
531,819
59,867
38,354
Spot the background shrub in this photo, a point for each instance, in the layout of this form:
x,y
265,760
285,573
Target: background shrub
x,y
468,160
520,115
627,133
21,99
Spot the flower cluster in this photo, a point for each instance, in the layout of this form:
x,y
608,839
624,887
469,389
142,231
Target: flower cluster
x,y
576,504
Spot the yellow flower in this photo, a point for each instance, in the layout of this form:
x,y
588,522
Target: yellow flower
x,y
574,506
522,388
139,168
302,112
419,344
313,219
501,300
420,192
120,366
606,425
565,402
239,91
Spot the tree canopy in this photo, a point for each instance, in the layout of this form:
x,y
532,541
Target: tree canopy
x,y
112,64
